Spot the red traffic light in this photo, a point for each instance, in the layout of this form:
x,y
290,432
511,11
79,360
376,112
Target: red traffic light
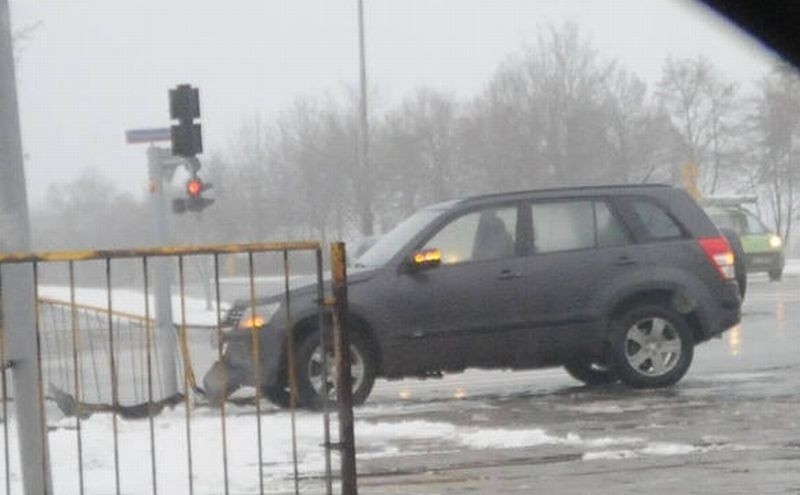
x,y
194,187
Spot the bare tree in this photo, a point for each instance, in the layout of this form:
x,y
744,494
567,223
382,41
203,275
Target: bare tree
x,y
637,131
548,113
703,109
416,150
777,146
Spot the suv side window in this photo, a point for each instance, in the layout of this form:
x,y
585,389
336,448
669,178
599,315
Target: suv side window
x,y
562,226
485,234
610,231
655,222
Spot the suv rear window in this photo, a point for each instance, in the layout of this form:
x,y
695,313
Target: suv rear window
x,y
570,225
656,224
562,226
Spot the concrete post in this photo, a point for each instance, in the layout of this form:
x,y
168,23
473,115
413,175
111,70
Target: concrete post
x,y
18,294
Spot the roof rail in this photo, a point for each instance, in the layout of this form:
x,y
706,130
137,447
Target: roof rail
x,y
567,188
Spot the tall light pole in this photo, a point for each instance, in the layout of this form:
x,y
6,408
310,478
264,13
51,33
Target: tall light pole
x,y
18,315
364,190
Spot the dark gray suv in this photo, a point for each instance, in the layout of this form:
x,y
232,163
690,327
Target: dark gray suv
x,y
613,283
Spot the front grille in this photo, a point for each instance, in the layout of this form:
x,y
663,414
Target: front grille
x,y
233,316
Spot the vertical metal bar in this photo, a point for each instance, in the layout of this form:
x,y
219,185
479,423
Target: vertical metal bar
x,y
290,363
344,378
62,356
42,412
113,368
186,377
324,339
220,357
76,346
160,381
149,357
141,330
64,344
255,340
3,367
59,334
93,354
137,387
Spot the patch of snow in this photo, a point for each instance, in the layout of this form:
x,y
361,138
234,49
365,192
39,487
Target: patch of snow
x,y
600,408
132,302
613,455
662,448
792,267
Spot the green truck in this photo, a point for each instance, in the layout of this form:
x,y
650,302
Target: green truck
x,y
763,248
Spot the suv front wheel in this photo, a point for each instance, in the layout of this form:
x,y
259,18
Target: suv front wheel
x,y
652,346
311,387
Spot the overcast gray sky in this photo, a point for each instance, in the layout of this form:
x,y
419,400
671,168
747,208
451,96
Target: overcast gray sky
x,y
98,67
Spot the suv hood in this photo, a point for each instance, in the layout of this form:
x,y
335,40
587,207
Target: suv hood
x,y
304,286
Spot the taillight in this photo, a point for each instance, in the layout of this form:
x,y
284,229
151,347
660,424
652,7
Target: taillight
x,y
719,252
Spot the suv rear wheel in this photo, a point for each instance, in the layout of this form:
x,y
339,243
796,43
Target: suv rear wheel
x,y
310,386
591,373
652,346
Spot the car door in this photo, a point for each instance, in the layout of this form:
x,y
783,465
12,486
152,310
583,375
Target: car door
x,y
454,315
577,247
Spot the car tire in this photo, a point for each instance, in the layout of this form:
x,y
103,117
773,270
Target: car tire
x,y
277,395
739,261
590,373
309,383
219,383
775,275
651,345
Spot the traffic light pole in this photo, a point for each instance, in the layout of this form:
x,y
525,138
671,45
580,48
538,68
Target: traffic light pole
x,y
18,315
166,337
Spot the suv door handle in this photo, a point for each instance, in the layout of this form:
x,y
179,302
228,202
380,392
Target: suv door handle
x,y
508,275
625,261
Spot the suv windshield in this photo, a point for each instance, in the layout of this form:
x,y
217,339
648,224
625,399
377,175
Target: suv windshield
x,y
390,243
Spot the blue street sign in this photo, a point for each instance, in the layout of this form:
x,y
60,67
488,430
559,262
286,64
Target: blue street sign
x,y
134,136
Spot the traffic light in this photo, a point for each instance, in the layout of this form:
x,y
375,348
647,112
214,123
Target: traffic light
x,y
184,106
194,200
194,187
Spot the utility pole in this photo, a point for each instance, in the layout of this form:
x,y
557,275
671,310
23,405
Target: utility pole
x,y
367,218
18,322
165,334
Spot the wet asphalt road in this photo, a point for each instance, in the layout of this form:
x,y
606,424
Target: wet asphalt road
x,y
732,425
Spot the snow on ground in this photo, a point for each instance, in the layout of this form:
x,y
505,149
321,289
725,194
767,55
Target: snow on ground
x,y
376,438
132,302
792,267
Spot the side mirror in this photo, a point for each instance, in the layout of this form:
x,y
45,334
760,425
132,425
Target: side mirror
x,y
425,258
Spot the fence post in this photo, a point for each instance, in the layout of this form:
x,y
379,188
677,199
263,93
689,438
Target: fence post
x,y
344,377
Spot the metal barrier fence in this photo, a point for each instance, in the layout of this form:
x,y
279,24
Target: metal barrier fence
x,y
110,422
91,326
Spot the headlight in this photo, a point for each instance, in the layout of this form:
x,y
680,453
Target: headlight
x,y
258,319
775,242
